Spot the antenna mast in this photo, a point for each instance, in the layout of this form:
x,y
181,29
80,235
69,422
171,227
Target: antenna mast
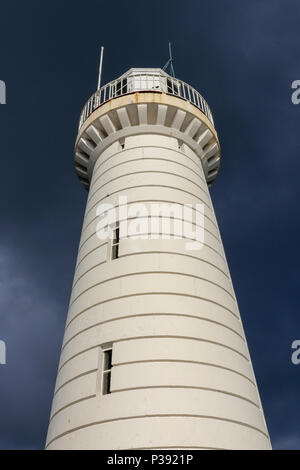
x,y
170,61
100,68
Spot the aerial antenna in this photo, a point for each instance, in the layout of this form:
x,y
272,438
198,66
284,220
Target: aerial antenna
x,y
170,61
100,68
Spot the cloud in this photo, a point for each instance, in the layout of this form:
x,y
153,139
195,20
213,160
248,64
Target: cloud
x,y
287,442
31,325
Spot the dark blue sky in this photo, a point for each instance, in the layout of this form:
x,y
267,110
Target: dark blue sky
x,y
242,56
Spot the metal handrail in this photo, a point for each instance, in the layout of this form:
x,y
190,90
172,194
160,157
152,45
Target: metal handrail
x,y
145,80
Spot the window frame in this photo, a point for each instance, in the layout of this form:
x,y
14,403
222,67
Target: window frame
x,y
106,370
115,243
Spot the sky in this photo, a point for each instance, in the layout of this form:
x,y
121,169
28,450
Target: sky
x,y
242,57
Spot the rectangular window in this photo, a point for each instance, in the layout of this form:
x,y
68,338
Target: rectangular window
x,y
172,87
121,87
115,243
106,376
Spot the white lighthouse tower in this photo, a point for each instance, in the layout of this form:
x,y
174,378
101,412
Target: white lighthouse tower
x,y
154,353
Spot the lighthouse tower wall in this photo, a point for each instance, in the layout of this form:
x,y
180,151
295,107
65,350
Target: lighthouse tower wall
x,y
163,315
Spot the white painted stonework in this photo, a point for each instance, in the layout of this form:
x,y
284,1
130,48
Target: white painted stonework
x,y
181,373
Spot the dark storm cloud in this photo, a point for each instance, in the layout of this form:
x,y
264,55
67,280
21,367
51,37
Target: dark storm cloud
x,y
28,317
243,57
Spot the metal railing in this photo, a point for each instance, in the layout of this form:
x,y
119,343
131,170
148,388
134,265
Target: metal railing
x,y
136,80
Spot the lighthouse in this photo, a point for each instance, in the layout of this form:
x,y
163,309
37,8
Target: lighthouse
x,y
154,354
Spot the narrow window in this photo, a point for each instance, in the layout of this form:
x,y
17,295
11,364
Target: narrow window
x,y
122,143
121,87
180,146
172,87
107,365
115,243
